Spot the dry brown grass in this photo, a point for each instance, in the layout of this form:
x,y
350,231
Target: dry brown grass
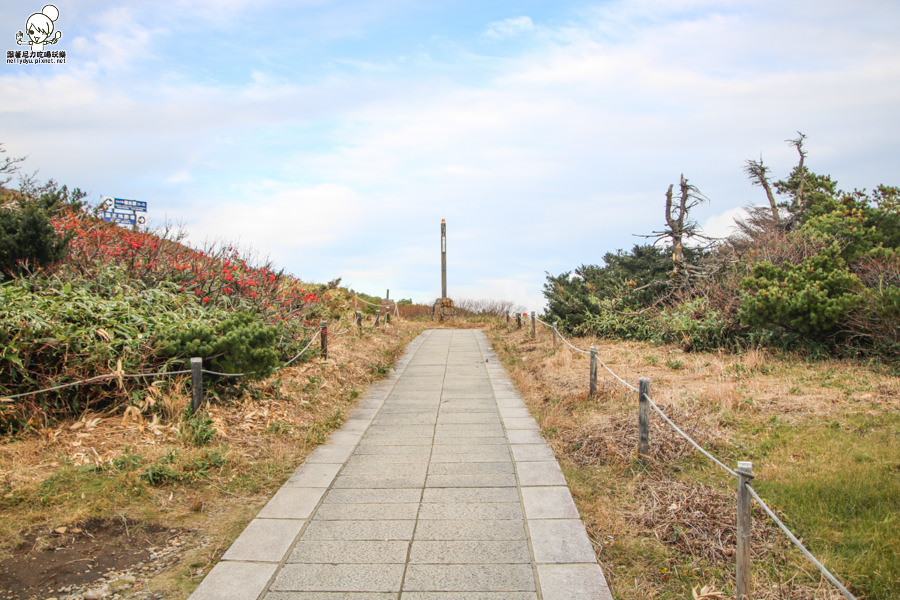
x,y
665,528
260,438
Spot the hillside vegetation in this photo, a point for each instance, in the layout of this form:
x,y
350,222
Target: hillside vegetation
x,y
114,484
81,298
817,270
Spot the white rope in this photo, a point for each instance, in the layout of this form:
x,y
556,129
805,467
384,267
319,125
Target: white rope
x,y
799,545
91,380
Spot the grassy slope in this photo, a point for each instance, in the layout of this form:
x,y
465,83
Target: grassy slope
x,y
823,437
147,470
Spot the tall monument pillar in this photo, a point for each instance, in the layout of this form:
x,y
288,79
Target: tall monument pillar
x,y
443,306
443,258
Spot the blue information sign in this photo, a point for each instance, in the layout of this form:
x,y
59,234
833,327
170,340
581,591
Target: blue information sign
x,y
132,205
124,204
120,217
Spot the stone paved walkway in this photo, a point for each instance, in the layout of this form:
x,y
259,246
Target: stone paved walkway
x,y
438,487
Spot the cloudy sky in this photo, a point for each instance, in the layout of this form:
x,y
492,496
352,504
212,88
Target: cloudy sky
x,y
334,135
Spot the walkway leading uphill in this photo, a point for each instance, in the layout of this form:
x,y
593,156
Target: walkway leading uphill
x,y
438,487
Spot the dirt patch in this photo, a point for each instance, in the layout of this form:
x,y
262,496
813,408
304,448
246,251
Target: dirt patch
x,y
109,555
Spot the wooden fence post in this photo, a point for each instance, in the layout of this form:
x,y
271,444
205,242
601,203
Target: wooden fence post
x,y
593,371
555,332
359,320
325,340
518,320
744,581
533,326
196,384
644,420
377,317
387,315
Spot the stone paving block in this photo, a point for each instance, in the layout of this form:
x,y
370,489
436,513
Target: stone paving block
x,y
384,467
359,530
449,578
353,552
292,503
524,436
515,413
379,481
470,529
339,578
540,473
468,418
232,580
330,453
461,430
470,552
340,511
444,439
470,457
539,452
265,540
382,450
344,437
509,401
573,582
548,503
399,431
470,468
486,494
356,425
314,475
395,440
560,541
330,596
378,460
373,496
520,423
477,480
463,596
470,510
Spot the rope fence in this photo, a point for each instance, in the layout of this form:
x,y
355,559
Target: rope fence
x,y
197,371
743,473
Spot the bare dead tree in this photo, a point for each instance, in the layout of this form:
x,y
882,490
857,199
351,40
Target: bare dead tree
x,y
759,175
8,166
801,171
679,226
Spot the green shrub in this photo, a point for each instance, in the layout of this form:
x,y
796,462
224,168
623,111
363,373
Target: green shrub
x,y
810,298
28,241
239,343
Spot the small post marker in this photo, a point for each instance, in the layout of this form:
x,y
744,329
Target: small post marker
x,y
377,317
533,325
593,371
325,340
359,320
644,420
196,384
743,584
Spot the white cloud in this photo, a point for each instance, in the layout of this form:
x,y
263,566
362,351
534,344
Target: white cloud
x,y
279,217
508,28
723,225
